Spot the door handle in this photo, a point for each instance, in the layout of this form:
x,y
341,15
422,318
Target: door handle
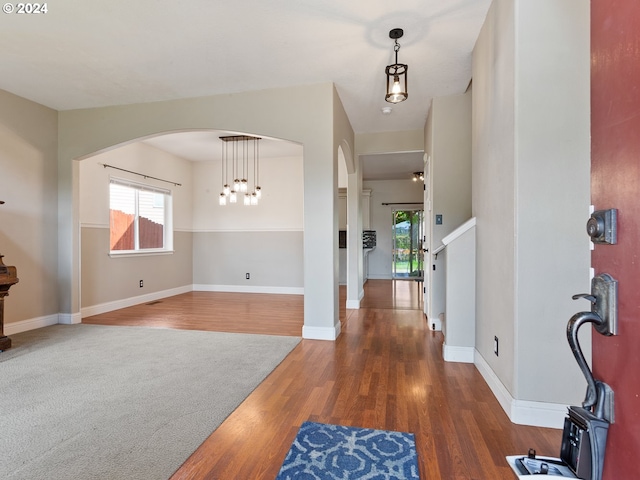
x,y
604,316
586,296
573,326
604,303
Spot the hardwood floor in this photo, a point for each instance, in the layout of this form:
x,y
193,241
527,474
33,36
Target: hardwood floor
x,y
384,371
214,311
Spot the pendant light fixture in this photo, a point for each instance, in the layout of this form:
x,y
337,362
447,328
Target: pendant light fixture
x,y
241,154
396,73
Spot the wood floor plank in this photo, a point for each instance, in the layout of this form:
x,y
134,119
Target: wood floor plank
x,y
384,371
215,311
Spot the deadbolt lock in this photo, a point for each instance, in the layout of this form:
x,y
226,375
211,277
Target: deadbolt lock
x,y
602,226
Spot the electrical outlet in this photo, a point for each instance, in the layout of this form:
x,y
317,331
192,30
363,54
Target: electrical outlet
x,y
495,345
247,276
141,283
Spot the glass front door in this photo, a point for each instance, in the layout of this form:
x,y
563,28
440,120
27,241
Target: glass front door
x,y
407,244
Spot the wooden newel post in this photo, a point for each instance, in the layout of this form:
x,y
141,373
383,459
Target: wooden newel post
x,y
8,277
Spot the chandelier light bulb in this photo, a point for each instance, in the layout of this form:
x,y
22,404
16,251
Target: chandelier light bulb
x,y
258,192
226,190
247,199
254,198
233,197
223,199
243,185
396,89
236,185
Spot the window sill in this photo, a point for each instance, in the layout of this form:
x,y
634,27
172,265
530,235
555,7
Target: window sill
x,y
139,253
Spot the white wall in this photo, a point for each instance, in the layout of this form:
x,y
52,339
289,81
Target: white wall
x,y
28,219
281,206
448,144
494,186
108,282
364,221
460,321
137,157
531,196
342,225
273,260
266,240
553,185
389,142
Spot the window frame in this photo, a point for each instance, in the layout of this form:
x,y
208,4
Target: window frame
x,y
168,218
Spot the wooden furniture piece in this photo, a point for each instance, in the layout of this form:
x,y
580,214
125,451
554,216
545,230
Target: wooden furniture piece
x,y
8,277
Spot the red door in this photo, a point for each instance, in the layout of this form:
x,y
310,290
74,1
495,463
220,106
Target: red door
x,y
615,183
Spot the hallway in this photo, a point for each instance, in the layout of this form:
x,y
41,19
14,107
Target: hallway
x,y
385,371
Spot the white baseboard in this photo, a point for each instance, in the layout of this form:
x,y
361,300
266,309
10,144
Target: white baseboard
x,y
522,412
382,276
249,289
539,414
353,304
131,301
451,353
150,297
30,324
435,324
69,318
321,333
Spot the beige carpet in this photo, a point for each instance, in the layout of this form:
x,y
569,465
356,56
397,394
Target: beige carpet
x,y
98,402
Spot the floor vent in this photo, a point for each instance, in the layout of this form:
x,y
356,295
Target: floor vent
x,y
154,302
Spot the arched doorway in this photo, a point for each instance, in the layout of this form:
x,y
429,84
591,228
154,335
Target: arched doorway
x,y
211,248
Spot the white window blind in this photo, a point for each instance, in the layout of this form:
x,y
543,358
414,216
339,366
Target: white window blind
x,y
139,217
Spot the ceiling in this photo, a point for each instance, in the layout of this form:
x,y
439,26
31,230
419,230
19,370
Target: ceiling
x,y
202,146
205,145
90,54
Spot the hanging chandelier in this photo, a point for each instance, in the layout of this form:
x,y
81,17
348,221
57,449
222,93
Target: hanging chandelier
x,y
418,176
240,161
396,73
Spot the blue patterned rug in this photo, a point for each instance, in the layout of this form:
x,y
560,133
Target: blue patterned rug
x,y
332,452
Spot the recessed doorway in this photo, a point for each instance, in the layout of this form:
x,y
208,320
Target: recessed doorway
x,y
407,255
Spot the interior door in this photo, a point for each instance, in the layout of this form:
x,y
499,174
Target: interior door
x,y
615,183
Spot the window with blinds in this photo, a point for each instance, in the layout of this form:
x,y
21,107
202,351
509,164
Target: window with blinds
x,y
138,217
